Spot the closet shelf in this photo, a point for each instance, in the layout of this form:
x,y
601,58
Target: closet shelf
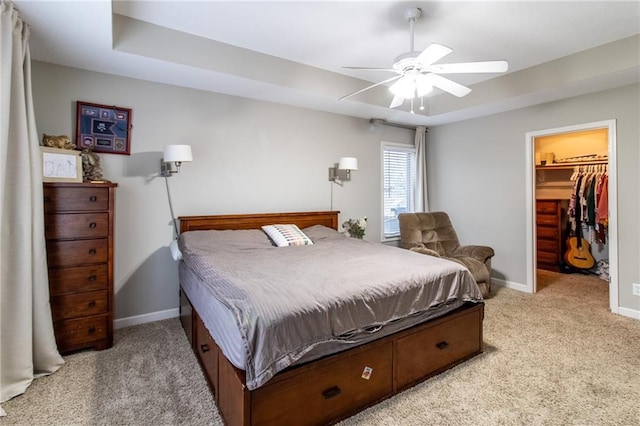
x,y
560,166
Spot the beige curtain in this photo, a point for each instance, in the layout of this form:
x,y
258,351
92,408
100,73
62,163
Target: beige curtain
x,y
421,202
27,344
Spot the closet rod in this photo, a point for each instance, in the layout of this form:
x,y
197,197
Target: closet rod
x,y
384,122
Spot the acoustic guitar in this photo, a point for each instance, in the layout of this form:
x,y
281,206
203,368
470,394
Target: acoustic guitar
x,y
578,253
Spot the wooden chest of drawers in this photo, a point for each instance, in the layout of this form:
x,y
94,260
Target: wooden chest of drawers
x,y
79,232
549,234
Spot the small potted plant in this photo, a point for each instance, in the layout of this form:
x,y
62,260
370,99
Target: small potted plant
x,y
355,227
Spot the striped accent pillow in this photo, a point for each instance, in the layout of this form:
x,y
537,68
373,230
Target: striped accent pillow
x,y
287,235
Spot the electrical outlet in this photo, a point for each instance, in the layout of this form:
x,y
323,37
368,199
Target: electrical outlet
x,y
636,289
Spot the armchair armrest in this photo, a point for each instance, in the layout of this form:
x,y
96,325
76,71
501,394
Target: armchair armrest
x,y
482,253
424,250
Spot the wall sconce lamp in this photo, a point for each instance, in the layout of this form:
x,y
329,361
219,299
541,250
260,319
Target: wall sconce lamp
x,y
174,154
342,172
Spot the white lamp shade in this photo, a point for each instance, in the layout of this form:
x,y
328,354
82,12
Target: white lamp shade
x,y
423,85
348,163
404,88
177,153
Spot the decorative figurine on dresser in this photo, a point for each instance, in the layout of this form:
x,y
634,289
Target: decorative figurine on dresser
x,y
79,232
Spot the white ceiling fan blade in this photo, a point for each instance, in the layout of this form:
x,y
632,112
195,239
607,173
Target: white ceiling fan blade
x,y
370,69
370,87
396,101
447,85
470,67
433,53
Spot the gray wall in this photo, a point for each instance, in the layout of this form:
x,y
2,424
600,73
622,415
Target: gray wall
x,y
476,172
249,156
253,156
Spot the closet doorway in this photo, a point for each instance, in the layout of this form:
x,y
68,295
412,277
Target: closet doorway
x,y
555,158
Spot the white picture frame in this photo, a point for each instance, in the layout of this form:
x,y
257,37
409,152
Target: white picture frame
x,y
61,165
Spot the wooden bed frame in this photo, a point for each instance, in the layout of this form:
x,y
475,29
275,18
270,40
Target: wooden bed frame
x,y
337,386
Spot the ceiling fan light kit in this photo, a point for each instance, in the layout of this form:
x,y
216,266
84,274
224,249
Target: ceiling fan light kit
x,y
418,74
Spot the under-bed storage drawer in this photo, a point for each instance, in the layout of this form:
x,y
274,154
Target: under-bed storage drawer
x,y
208,353
433,348
326,390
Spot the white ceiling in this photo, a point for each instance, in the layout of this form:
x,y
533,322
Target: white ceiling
x,y
291,52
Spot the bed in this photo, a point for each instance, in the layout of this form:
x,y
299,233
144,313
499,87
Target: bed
x,y
367,342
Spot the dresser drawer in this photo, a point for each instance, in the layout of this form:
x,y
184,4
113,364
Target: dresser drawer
x,y
77,333
549,232
548,257
550,246
76,225
445,343
75,253
81,278
65,199
547,219
547,207
79,305
327,390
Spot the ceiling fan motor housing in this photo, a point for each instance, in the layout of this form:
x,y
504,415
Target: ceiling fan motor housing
x,y
407,62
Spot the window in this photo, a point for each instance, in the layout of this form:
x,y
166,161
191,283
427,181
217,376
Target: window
x,y
398,183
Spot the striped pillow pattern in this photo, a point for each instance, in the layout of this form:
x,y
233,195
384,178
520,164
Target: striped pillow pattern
x,y
287,235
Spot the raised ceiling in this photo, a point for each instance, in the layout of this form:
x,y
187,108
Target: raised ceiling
x,y
291,52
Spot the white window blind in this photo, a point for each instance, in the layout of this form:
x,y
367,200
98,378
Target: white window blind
x,y
398,183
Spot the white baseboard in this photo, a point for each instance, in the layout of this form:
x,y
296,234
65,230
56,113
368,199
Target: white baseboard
x,y
144,318
631,313
509,284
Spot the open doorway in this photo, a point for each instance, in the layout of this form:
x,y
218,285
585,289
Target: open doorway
x,y
554,157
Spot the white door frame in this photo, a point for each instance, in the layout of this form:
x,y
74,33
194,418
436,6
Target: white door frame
x,y
614,304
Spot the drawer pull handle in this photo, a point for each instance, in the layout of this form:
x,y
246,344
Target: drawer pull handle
x,y
92,225
204,348
92,278
442,345
93,198
331,392
92,251
91,330
92,304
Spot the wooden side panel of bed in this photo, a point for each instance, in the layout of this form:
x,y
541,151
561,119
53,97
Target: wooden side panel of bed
x,y
335,387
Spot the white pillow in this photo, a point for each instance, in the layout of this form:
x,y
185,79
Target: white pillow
x,y
287,235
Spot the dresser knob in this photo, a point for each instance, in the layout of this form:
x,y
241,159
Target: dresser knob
x,y
91,304
92,278
93,198
204,348
92,251
91,330
92,225
442,345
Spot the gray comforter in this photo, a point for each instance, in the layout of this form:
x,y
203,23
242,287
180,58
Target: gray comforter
x,y
338,292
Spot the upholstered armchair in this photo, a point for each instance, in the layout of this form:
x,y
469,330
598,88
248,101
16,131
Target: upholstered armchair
x,y
433,234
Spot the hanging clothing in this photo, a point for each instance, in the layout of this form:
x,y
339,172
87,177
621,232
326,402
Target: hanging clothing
x,y
589,205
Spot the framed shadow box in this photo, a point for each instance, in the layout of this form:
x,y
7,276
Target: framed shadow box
x,y
104,128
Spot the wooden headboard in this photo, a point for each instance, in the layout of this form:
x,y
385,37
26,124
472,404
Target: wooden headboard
x,y
257,220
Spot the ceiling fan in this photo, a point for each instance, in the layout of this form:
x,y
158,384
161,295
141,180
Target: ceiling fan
x,y
418,73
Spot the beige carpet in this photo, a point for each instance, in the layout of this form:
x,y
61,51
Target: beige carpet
x,y
554,358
